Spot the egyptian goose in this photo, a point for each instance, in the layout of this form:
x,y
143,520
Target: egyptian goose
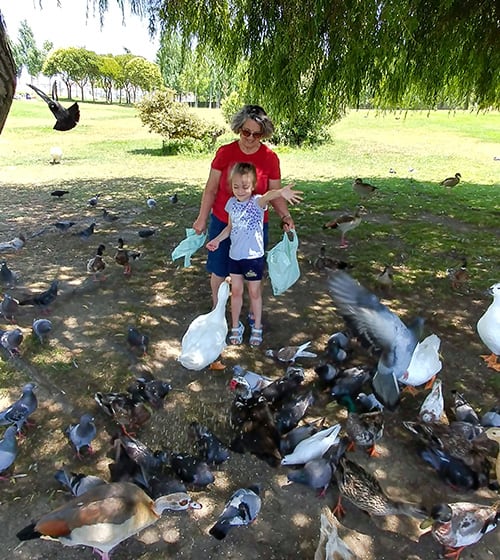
x,y
363,189
346,223
488,328
104,516
494,434
451,181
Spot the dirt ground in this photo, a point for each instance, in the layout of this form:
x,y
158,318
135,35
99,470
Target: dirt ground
x,y
87,352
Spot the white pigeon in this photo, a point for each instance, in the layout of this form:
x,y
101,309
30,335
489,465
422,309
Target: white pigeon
x,y
425,362
313,447
432,408
56,154
289,354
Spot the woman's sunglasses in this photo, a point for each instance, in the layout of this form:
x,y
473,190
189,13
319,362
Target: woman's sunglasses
x,y
247,133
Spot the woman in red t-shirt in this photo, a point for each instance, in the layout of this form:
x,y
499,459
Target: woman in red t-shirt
x,y
252,124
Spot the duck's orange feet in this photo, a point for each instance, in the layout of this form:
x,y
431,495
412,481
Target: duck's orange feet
x,y
430,383
491,361
411,389
217,366
338,510
351,446
453,553
372,452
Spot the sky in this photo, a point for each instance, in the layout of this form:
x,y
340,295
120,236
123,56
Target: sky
x,y
68,26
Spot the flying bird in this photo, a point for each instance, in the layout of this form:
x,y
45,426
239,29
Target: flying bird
x,y
66,119
376,325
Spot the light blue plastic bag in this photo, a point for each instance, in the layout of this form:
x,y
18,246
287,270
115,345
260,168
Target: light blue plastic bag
x,y
282,263
188,246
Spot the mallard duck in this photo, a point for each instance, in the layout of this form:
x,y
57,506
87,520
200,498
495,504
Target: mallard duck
x,y
458,276
104,516
425,364
123,257
363,189
323,262
346,222
432,409
365,429
488,328
125,410
205,338
460,524
96,264
451,181
362,489
330,545
494,434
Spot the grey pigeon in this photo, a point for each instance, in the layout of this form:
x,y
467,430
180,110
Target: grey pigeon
x,y
77,483
6,275
316,474
137,340
18,412
82,434
146,232
8,449
9,307
337,346
491,418
240,510
44,299
326,373
94,200
463,410
64,225
210,448
292,412
191,469
151,202
87,232
374,324
11,340
41,328
108,216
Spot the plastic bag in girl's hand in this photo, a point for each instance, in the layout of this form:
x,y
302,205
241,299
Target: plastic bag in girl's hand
x,y
282,263
188,246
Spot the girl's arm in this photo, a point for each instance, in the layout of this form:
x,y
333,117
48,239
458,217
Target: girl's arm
x,y
214,243
291,196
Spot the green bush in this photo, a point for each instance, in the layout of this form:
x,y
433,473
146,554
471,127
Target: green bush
x,y
231,105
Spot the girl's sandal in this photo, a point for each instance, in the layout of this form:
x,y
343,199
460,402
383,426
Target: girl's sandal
x,y
256,337
236,336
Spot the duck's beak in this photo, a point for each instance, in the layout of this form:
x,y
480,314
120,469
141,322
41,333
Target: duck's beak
x,y
426,523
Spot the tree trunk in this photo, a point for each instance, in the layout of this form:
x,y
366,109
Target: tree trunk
x,y
7,75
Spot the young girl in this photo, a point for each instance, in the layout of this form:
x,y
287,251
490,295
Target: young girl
x,y
246,254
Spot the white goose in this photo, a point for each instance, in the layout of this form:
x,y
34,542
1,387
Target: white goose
x,y
488,328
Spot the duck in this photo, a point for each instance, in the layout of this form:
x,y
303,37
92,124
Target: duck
x,y
363,490
451,181
128,413
104,516
150,390
494,434
96,264
424,365
288,354
124,256
458,276
345,223
432,408
460,524
330,545
362,188
313,447
376,325
365,429
323,262
488,328
205,338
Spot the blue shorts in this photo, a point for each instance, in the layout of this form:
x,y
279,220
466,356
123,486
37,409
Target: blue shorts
x,y
218,261
250,269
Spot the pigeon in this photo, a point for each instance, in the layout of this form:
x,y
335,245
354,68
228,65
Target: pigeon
x,y
376,325
432,409
41,328
64,225
96,263
8,449
313,447
291,439
14,245
149,390
82,434
18,412
87,232
463,410
173,198
289,354
349,382
491,418
451,181
108,216
337,346
292,412
11,340
326,373
9,307
56,154
66,119
94,200
151,203
191,469
77,483
256,381
124,409
209,446
44,299
316,474
240,510
137,340
6,275
146,232
58,193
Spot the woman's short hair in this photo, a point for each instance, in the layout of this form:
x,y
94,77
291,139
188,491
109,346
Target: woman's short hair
x,y
257,114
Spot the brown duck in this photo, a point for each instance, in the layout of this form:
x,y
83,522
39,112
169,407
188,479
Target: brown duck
x,y
124,257
451,181
346,223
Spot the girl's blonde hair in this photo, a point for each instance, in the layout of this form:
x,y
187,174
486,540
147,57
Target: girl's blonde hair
x,y
243,168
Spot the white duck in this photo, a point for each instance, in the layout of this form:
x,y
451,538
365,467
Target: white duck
x,y
205,338
488,328
331,546
424,365
432,408
313,447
